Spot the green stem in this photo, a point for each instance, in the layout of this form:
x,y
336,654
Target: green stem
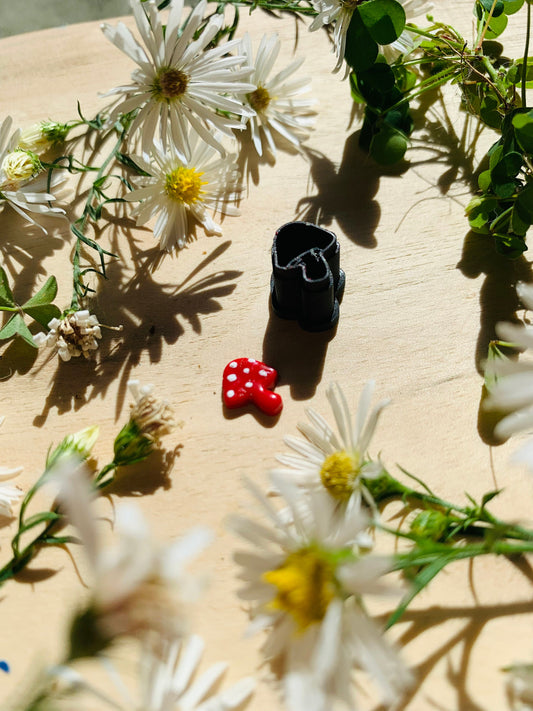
x,y
526,53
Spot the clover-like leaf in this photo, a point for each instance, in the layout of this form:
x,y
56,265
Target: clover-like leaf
x,y
361,50
384,19
6,295
46,294
16,327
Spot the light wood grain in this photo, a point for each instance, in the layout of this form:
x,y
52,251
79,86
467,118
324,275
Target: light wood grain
x,y
421,300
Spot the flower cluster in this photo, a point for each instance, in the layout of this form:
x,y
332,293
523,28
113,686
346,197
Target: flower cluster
x,y
75,334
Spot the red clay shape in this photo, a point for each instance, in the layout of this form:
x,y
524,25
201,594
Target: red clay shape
x,y
248,380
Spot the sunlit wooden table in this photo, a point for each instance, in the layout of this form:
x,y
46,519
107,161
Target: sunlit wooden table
x,y
422,297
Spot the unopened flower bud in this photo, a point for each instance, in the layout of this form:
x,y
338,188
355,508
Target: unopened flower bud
x,y
81,444
21,165
430,524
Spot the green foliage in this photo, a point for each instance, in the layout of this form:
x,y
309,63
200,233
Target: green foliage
x,y
39,307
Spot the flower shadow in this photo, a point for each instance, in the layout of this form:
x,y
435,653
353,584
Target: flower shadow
x,y
152,314
421,621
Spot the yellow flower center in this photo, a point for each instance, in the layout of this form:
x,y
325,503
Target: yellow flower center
x,y
259,99
184,185
339,473
305,585
169,84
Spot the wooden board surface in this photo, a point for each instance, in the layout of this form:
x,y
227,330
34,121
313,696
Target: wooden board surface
x,y
422,297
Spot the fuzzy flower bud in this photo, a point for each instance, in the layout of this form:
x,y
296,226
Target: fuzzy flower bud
x,y
41,136
21,165
81,444
74,335
150,419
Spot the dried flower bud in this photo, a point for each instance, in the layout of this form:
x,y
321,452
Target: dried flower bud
x,y
151,419
74,335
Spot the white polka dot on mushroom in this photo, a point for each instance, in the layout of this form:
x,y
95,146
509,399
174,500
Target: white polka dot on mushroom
x,y
246,370
230,393
231,377
262,372
233,364
248,384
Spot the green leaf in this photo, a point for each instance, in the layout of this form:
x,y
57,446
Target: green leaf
x,y
512,6
487,7
361,50
388,146
43,314
46,294
418,583
523,126
6,296
384,19
511,246
488,111
16,327
484,180
480,212
496,26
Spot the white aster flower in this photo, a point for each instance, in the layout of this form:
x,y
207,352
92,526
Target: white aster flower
x,y
340,12
20,187
166,681
138,585
9,494
512,391
277,100
178,81
73,335
305,581
337,461
181,192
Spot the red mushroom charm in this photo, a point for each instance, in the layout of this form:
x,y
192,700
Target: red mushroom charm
x,y
247,379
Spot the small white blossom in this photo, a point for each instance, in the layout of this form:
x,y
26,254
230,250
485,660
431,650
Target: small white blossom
x,y
179,83
281,109
305,580
336,461
19,187
340,13
138,586
74,335
168,680
9,494
180,192
512,391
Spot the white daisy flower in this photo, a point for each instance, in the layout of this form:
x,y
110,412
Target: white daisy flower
x,y
138,585
178,81
305,582
74,335
9,494
512,391
181,192
280,109
337,461
166,681
340,12
21,186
